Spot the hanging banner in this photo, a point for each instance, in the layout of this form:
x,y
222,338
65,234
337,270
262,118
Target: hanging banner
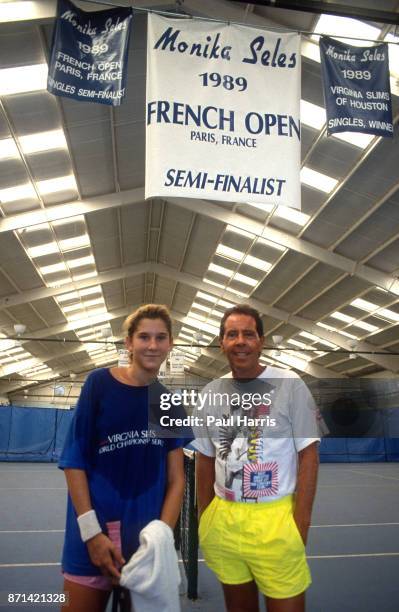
x,y
356,88
89,54
176,364
123,358
222,112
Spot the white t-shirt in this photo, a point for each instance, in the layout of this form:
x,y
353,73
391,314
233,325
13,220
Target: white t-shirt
x,y
255,429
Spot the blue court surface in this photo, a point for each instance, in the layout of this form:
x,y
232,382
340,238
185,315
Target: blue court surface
x,y
353,546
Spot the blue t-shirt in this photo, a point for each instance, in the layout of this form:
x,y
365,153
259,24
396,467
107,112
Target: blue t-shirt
x,y
125,460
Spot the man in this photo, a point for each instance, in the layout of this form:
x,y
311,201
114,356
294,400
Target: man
x,y
256,473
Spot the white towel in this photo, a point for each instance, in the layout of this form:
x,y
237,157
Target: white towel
x,y
152,573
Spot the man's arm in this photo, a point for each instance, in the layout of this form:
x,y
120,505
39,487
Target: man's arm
x,y
205,475
102,552
174,488
308,465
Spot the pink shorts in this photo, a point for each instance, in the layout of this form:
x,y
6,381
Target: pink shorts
x,y
103,583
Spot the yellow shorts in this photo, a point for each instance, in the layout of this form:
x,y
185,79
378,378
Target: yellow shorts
x,y
243,542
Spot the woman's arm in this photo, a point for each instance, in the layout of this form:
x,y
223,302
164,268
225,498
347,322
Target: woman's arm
x,y
174,487
102,552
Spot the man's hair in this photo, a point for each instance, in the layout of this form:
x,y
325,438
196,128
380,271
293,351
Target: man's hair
x,y
148,311
243,309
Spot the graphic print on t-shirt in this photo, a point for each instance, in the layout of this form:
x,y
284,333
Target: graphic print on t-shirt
x,y
242,450
260,479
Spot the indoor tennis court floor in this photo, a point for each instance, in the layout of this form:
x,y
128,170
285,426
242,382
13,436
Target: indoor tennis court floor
x,y
353,546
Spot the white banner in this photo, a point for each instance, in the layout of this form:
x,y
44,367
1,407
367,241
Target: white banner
x,y
222,112
176,364
123,358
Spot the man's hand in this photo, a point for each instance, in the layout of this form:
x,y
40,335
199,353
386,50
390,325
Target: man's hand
x,y
104,554
303,528
308,463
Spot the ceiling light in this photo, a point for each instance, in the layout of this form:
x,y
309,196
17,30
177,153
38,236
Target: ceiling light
x,y
19,192
332,25
319,181
211,282
72,307
79,315
342,317
246,280
205,296
317,339
291,214
43,249
43,141
201,307
212,298
58,283
226,251
220,270
388,314
237,292
255,262
18,366
366,326
52,268
295,362
89,321
225,304
74,243
65,297
8,148
335,330
79,277
355,138
22,79
54,185
364,305
312,115
300,345
185,336
80,261
205,326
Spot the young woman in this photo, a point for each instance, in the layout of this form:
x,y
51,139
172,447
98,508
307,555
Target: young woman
x,y
120,474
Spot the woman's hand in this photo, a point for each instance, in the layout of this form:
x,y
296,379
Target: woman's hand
x,y
104,554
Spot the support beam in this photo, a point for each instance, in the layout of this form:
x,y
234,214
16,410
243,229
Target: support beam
x,y
202,207
72,209
329,8
47,292
375,277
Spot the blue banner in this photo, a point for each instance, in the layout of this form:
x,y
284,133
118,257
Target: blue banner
x,y
89,54
356,88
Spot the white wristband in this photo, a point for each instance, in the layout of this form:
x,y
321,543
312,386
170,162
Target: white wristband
x,y
88,525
